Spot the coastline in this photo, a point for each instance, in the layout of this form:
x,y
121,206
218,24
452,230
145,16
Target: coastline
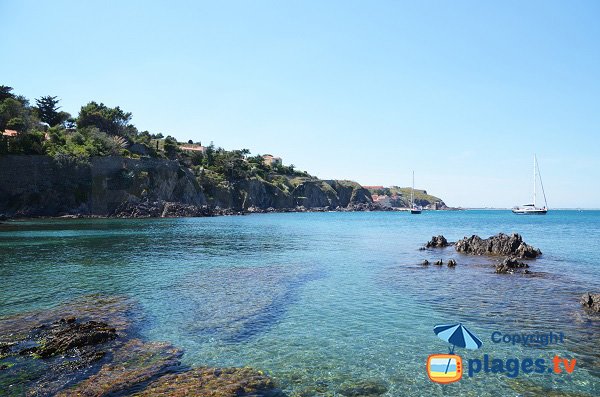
x,y
232,212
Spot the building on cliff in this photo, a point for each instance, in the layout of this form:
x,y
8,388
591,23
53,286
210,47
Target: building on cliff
x,y
10,133
192,147
271,160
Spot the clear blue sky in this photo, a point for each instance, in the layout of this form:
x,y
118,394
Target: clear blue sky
x,y
462,92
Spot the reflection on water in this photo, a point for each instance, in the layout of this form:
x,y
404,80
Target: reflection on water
x,y
327,303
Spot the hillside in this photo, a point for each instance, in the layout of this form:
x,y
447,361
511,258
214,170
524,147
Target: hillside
x,y
99,164
399,197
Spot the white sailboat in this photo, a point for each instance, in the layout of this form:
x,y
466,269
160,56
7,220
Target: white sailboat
x,y
414,209
532,209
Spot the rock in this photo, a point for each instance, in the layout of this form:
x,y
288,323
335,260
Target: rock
x,y
510,266
451,263
55,347
364,388
438,262
500,244
214,382
425,262
134,364
63,336
175,210
591,301
437,242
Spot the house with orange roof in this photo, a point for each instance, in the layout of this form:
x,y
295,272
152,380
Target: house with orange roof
x,y
271,160
10,133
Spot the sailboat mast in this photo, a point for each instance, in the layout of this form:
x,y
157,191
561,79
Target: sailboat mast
x,y
534,177
412,191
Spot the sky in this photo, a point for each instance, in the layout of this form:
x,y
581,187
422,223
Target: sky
x,y
462,92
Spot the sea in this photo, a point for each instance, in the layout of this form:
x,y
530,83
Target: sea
x,y
330,304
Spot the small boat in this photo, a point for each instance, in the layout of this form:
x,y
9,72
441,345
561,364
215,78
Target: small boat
x,y
532,209
414,209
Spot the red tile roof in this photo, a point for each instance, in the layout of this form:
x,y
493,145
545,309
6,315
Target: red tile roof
x,y
10,133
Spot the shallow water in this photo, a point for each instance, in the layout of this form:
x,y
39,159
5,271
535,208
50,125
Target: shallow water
x,y
323,301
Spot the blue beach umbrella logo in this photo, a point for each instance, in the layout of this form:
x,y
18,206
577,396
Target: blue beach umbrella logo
x,y
447,368
458,336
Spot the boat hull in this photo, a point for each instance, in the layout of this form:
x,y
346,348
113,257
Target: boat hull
x,y
530,212
415,211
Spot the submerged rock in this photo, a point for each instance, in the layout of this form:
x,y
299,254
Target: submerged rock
x,y
364,388
438,262
510,266
135,363
45,351
213,382
87,349
65,335
437,242
500,244
451,263
591,301
425,262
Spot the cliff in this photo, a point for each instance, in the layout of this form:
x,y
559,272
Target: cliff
x,y
400,197
119,186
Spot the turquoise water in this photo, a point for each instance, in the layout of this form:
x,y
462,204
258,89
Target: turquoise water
x,y
323,301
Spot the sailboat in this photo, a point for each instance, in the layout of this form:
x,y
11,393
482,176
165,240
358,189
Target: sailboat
x,y
532,209
414,209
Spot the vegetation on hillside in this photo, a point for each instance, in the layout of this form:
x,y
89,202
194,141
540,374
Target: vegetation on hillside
x,y
99,130
403,195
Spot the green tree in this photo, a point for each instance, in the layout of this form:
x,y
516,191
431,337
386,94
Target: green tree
x,y
10,109
6,92
48,110
113,121
171,147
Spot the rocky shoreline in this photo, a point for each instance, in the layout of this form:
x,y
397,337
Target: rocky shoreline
x,y
89,348
165,209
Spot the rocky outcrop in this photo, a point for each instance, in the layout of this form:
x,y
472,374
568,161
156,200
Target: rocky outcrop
x,y
135,208
511,266
88,349
33,186
451,263
591,301
500,244
43,186
437,242
67,334
132,365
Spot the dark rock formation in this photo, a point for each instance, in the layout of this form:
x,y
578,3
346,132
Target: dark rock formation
x,y
591,301
451,263
64,335
425,262
47,350
438,262
133,364
500,244
134,208
511,265
437,242
74,350
150,187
